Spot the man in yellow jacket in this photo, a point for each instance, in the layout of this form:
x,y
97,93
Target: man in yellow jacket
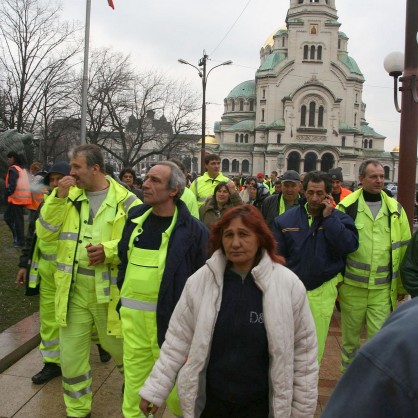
x,y
204,186
86,213
371,281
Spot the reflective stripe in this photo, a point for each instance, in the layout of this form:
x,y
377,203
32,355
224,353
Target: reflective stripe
x,y
355,277
139,306
106,291
72,236
351,355
46,225
65,268
49,257
399,244
77,394
356,264
382,269
85,272
395,274
50,343
53,354
382,280
105,275
35,265
33,277
128,202
113,280
77,379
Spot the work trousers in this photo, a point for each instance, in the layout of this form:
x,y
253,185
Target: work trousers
x,y
322,301
361,306
75,340
141,351
14,218
49,328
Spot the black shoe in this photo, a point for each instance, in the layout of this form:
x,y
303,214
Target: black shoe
x,y
104,355
49,371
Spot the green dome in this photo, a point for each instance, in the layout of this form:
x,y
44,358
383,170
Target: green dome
x,y
245,89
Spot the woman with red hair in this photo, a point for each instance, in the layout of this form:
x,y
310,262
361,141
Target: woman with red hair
x,y
241,341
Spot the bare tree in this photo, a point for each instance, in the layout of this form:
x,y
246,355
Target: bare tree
x,y
35,48
133,116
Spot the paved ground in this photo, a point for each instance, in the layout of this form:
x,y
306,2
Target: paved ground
x,y
19,398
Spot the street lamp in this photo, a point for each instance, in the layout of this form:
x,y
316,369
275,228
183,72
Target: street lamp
x,y
409,114
204,76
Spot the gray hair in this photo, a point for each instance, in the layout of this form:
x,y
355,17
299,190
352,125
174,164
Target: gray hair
x,y
176,178
92,153
365,163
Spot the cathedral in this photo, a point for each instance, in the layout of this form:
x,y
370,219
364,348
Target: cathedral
x,y
303,110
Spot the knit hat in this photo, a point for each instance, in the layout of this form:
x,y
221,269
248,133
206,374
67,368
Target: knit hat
x,y
336,173
61,167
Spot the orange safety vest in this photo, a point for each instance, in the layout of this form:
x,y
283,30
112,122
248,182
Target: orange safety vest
x,y
21,195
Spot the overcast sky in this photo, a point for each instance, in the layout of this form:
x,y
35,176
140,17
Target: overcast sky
x,y
156,33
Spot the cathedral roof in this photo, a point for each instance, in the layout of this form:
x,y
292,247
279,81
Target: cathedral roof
x,y
366,130
244,125
244,89
272,60
350,63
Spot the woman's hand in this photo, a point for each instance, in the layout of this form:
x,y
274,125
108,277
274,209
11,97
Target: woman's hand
x,y
146,408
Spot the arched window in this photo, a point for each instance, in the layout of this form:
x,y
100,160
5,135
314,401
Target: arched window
x,y
305,52
370,143
339,43
251,105
225,165
264,93
241,105
262,115
233,105
283,41
245,166
300,1
366,143
312,106
236,137
235,166
310,162
246,138
319,53
312,52
241,138
320,117
293,161
343,141
279,138
327,162
355,119
303,116
387,172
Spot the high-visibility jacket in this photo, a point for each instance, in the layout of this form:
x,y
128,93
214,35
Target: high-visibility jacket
x,y
204,186
21,195
65,220
383,242
343,194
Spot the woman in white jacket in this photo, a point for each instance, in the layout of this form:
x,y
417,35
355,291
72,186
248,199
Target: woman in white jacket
x,y
241,341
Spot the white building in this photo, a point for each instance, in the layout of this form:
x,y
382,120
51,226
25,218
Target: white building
x,y
304,109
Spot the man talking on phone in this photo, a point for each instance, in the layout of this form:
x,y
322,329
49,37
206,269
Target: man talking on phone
x,y
315,240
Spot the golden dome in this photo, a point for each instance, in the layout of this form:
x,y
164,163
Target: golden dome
x,y
209,140
270,40
396,149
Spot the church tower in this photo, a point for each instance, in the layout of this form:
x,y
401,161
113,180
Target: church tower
x,y
304,109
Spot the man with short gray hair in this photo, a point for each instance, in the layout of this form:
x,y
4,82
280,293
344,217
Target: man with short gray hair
x,y
161,246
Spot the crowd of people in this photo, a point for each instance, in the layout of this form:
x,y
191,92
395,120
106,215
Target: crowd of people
x,y
215,295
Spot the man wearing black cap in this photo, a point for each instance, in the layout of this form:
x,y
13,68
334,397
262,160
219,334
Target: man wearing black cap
x,y
36,267
277,204
338,191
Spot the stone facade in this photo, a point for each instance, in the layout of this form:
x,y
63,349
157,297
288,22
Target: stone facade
x,y
304,109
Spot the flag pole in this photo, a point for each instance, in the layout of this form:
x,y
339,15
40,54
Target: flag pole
x,y
85,74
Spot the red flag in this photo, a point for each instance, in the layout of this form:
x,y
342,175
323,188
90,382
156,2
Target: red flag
x,y
110,2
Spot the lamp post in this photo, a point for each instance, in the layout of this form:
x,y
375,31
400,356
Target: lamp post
x,y
204,76
409,109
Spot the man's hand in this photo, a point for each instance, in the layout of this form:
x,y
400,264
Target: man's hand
x,y
21,276
96,254
146,408
328,203
64,186
231,187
